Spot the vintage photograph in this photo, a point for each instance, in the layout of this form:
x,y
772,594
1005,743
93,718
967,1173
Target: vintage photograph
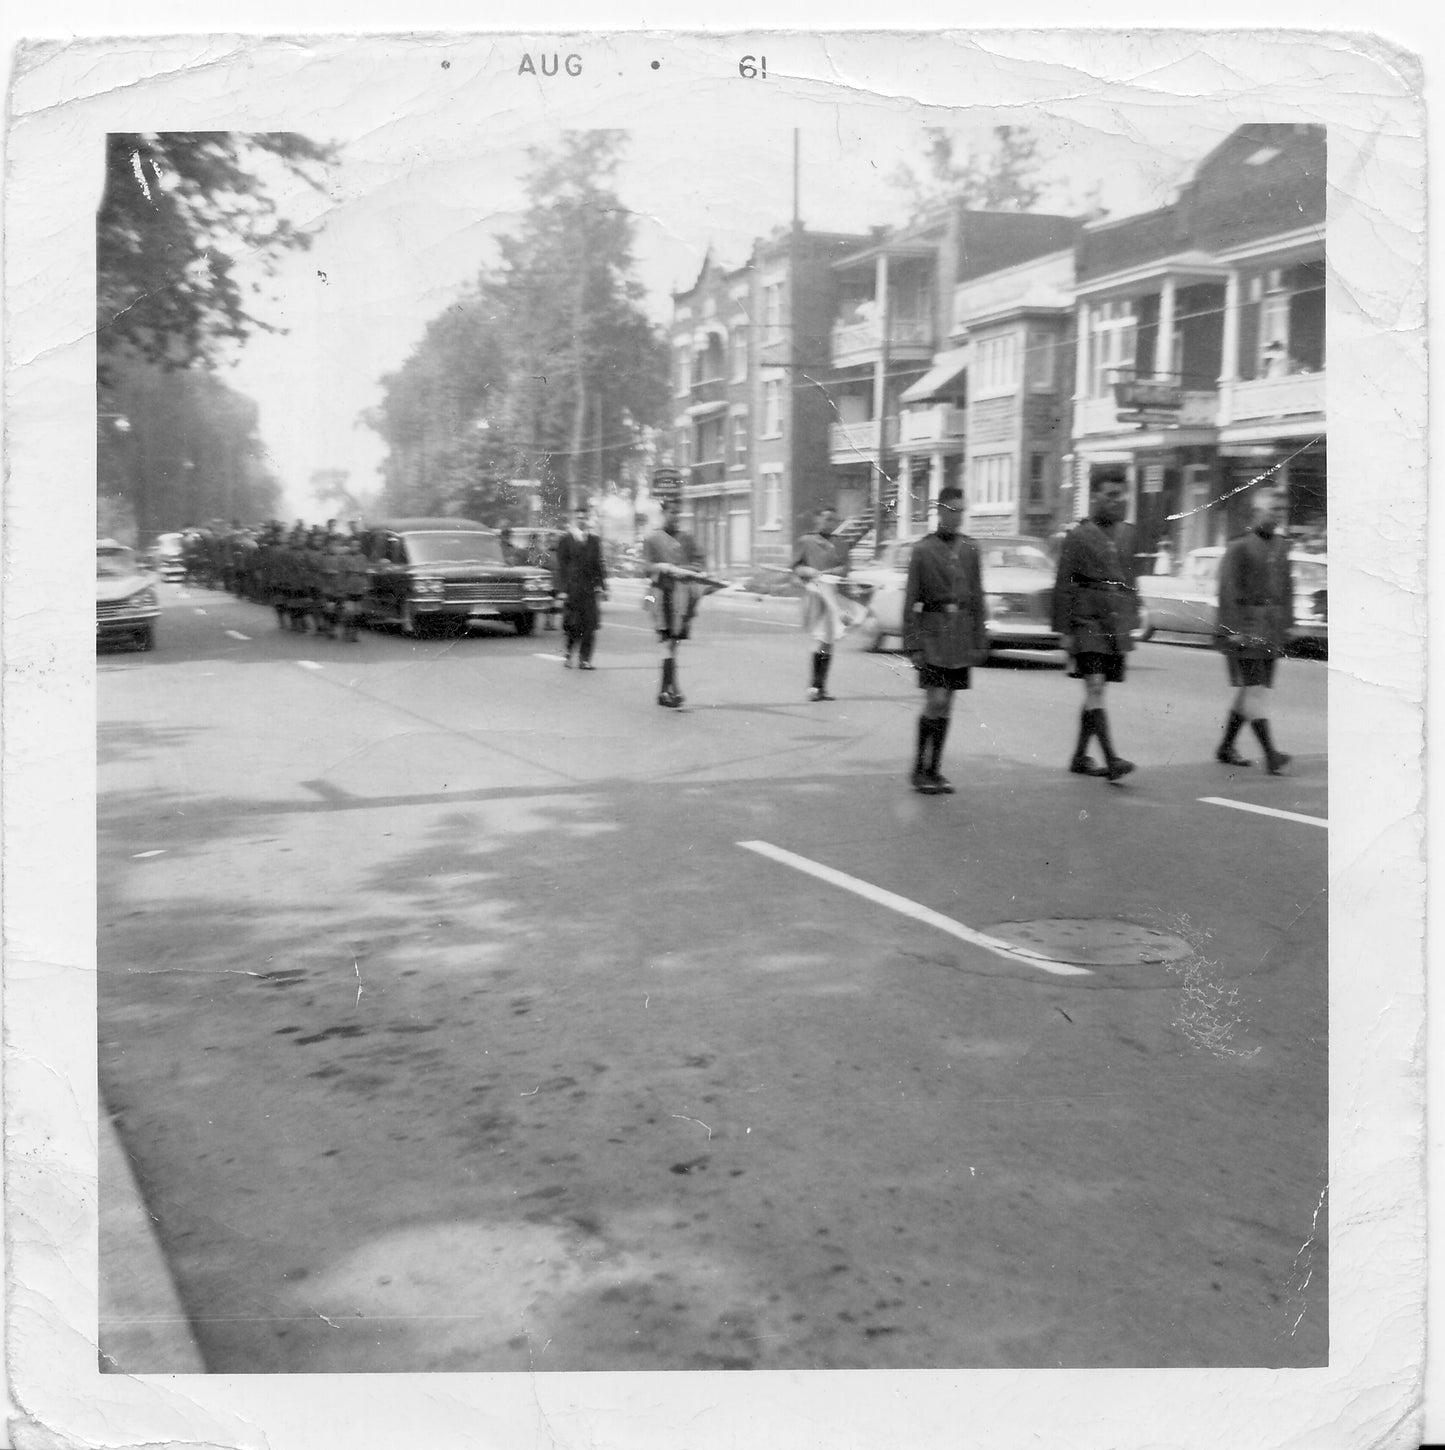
x,y
713,717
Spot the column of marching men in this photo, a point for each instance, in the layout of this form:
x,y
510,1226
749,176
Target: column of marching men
x,y
316,578
1095,614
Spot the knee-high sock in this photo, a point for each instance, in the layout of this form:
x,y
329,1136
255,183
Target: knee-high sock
x,y
1232,727
940,734
1088,727
1101,730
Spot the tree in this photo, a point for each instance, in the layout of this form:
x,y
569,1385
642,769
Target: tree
x,y
998,177
548,368
178,212
180,448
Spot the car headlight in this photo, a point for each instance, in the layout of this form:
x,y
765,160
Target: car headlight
x,y
430,588
144,598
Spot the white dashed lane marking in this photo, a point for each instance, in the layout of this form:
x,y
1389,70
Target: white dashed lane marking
x,y
308,664
236,634
924,914
1219,800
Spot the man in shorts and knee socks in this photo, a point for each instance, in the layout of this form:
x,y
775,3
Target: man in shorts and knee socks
x,y
1256,613
1096,606
944,634
820,554
672,554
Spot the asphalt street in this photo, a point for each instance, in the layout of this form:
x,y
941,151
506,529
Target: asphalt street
x,y
460,1012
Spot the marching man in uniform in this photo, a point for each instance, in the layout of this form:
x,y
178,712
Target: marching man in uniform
x,y
675,565
821,562
1096,606
1256,613
943,631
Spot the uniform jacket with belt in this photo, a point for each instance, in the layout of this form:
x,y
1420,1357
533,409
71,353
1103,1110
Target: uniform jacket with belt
x,y
1095,598
943,609
1256,597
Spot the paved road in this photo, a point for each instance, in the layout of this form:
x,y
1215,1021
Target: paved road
x,y
449,1025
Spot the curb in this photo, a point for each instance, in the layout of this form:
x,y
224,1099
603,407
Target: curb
x,y
142,1327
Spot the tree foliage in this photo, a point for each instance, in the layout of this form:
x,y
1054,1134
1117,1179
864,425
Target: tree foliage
x,y
180,448
547,368
178,212
998,177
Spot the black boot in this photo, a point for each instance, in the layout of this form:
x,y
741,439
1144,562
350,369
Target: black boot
x,y
940,733
821,660
1227,754
1116,766
922,780
1081,764
667,695
1274,760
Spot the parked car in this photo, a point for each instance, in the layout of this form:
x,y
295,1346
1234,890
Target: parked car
x,y
168,558
1185,606
126,605
428,573
1018,584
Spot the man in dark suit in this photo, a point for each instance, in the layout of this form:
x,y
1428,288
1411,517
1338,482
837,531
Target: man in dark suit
x,y
1256,613
1096,607
580,581
943,631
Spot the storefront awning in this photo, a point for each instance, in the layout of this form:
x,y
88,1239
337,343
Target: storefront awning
x,y
946,370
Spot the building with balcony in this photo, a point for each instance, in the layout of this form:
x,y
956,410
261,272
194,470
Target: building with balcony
x,y
992,415
902,376
794,302
710,438
1199,364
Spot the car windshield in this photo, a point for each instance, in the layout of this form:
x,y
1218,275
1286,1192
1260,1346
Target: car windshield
x,y
457,548
1015,556
114,563
1206,568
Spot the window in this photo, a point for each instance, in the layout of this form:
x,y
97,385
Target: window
x,y
739,440
684,369
772,407
1043,361
739,346
710,440
997,365
1113,342
993,479
772,502
773,312
1038,477
1282,322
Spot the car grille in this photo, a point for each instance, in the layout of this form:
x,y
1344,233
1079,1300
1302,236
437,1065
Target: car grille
x,y
119,608
498,591
1021,606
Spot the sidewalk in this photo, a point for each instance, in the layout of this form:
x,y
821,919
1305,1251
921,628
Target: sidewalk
x,y
142,1327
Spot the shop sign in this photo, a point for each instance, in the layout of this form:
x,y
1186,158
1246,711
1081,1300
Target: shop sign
x,y
1150,396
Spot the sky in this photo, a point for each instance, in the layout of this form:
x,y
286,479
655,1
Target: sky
x,y
407,227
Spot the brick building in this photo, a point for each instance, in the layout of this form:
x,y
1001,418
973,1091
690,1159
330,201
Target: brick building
x,y
1201,354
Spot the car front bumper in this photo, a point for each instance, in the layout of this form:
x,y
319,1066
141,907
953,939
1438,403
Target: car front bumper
x,y
127,622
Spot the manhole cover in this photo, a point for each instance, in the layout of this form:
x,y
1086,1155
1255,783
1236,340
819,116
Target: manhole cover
x,y
1094,943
